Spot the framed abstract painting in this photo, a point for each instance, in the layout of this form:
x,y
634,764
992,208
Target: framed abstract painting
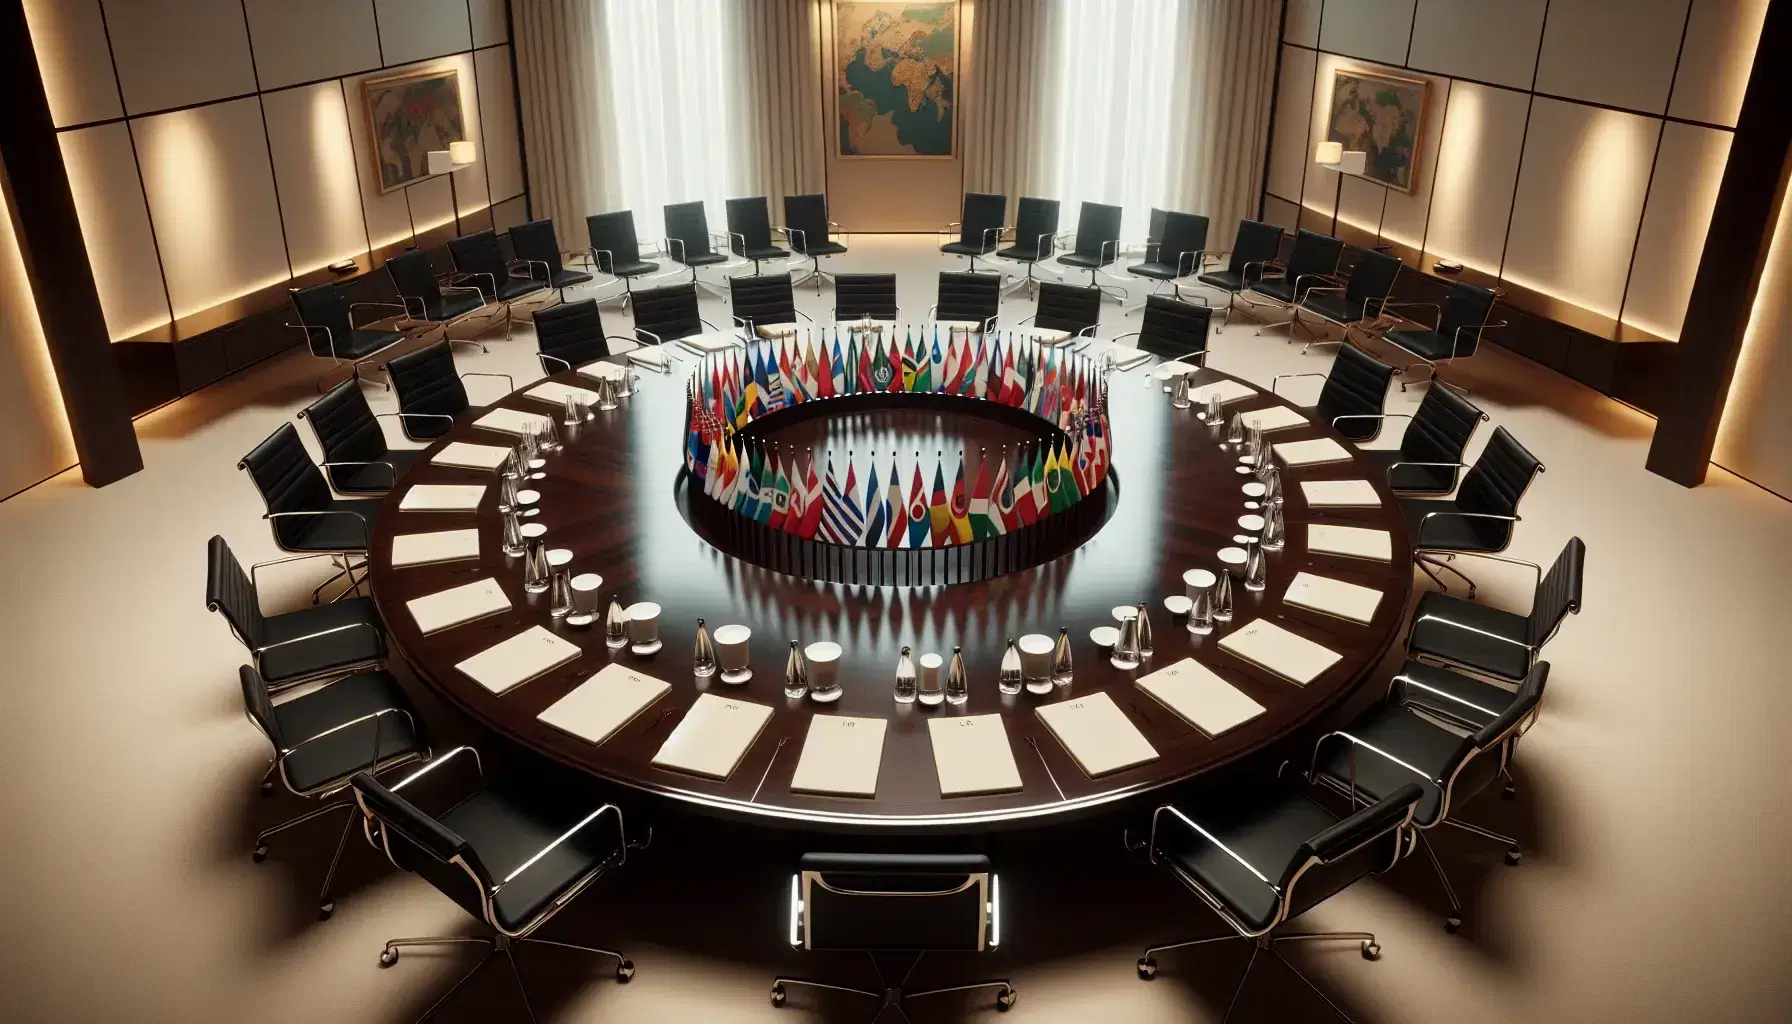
x,y
1381,116
896,77
409,115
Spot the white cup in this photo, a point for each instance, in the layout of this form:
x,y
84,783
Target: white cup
x,y
731,653
584,599
1036,661
644,627
930,689
1197,581
824,670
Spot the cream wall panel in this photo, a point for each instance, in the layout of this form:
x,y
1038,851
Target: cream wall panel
x,y
432,204
102,175
34,434
1375,30
1404,217
497,118
1755,437
490,27
1716,58
1275,211
509,213
171,53
1302,24
304,41
1360,203
314,165
1489,42
1289,152
1621,53
69,37
413,30
211,194
1476,171
1688,170
1579,200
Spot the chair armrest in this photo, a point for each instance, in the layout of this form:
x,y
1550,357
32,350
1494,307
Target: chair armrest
x,y
1151,844
1370,416
483,302
545,356
437,762
622,845
508,379
415,415
458,277
356,721
256,587
657,340
1419,540
374,305
1536,570
1434,307
1129,334
391,470
529,268
1029,316
1203,255
1366,745
1471,629
805,316
1456,340
1298,293
1263,268
1399,686
666,245
329,338
365,535
1276,381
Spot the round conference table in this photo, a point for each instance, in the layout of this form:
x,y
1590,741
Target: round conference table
x,y
614,495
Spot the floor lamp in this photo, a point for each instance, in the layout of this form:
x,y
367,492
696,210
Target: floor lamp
x,y
447,161
1334,157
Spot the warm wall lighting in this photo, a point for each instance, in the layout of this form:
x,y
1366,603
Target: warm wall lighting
x,y
1329,154
460,153
1752,435
37,442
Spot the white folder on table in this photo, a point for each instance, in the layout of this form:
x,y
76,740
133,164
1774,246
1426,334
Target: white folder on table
x,y
601,705
1228,390
1199,697
1097,734
603,369
471,456
435,546
712,342
1340,493
1333,597
511,421
841,755
442,498
971,755
713,736
1125,357
1276,417
456,605
649,355
513,662
556,392
1353,541
1287,654
1312,453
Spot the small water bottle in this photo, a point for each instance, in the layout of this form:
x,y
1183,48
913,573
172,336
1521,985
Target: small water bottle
x,y
1144,620
615,627
535,567
1222,596
1274,529
561,602
513,535
796,673
1126,651
1179,392
572,416
907,683
703,656
1061,665
958,683
1235,430
1009,678
1256,567
1216,410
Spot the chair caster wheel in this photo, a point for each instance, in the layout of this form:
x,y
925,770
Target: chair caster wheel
x,y
1005,999
324,911
1371,950
1510,792
1147,968
1512,856
259,854
267,789
777,995
1453,922
388,957
625,969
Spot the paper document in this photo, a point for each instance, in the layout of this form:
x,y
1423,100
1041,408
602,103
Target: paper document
x,y
1333,597
429,548
1097,734
841,755
1340,493
710,344
1199,697
442,498
1277,417
1287,654
713,736
1312,453
471,456
513,662
1354,541
1228,390
649,355
601,705
555,392
456,605
971,755
1127,358
510,421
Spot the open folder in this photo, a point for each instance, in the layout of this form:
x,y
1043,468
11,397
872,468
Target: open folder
x,y
1311,453
601,705
435,546
1199,697
971,755
841,755
1340,493
511,421
1333,597
713,736
1097,734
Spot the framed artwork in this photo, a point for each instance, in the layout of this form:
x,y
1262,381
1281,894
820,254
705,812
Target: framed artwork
x,y
409,115
1381,116
896,77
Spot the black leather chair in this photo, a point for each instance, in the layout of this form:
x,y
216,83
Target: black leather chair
x,y
1257,246
895,903
1064,311
512,853
1356,390
294,647
765,305
980,232
865,297
357,459
1496,643
306,518
1035,236
479,257
432,393
616,250
1455,331
537,248
1311,263
356,724
1174,252
1359,301
667,314
1391,746
1259,855
571,335
328,322
1097,242
690,242
427,300
1481,517
1429,459
750,231
809,232
966,301
1173,329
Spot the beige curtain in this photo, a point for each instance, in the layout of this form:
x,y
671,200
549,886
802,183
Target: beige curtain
x,y
1223,99
567,121
778,70
1004,89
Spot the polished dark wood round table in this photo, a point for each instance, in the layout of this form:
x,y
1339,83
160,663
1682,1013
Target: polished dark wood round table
x,y
612,498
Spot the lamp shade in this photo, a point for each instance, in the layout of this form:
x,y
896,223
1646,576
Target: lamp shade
x,y
461,153
1329,153
1354,162
440,162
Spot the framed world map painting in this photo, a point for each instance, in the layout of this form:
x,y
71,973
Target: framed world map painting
x,y
409,115
1379,115
896,77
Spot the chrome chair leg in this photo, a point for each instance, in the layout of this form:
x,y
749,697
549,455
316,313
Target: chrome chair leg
x,y
443,999
261,839
325,905
1316,989
1149,953
1444,564
1425,567
1004,994
1256,947
1514,852
1454,921
515,972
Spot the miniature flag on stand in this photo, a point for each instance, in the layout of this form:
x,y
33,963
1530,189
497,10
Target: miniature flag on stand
x,y
895,384
894,511
1002,515
837,377
938,513
917,509
812,503
830,502
982,524
875,517
909,369
780,498
1025,508
867,382
961,507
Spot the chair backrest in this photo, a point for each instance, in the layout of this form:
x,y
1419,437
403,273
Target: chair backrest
x,y
536,242
1524,702
1034,220
669,312
1479,757
1499,477
1313,253
689,224
1372,279
1098,231
761,299
288,481
427,382
865,296
345,426
324,313
479,253
571,331
260,706
1154,226
982,220
1067,307
229,592
908,902
1467,308
967,296
749,225
1183,234
1257,242
413,277
613,236
417,842
1558,592
1368,840
1175,329
1440,430
807,218
1356,385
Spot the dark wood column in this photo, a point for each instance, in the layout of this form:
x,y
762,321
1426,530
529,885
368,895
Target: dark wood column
x,y
55,257
1723,292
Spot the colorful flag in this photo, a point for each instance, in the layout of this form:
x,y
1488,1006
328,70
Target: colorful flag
x,y
924,368
866,381
876,519
812,503
981,524
894,512
895,363
838,381
1001,514
936,367
961,507
881,371
917,509
842,519
830,500
939,513
1056,487
909,369
849,370
1011,394
747,501
793,518
780,499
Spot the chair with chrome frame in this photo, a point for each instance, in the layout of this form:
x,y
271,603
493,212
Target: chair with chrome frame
x,y
537,248
357,459
1261,854
809,232
510,855
1035,238
980,232
295,647
1429,459
1480,519
1064,311
1455,332
1258,245
690,242
305,517
1492,642
616,250
571,335
865,297
1173,253
764,305
330,331
1392,746
432,393
1173,329
895,903
1355,392
1312,262
669,313
750,231
479,257
1097,245
967,302
437,304
1358,302
356,724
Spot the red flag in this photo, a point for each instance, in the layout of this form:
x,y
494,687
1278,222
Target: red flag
x,y
939,513
896,384
811,504
827,376
865,383
917,510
